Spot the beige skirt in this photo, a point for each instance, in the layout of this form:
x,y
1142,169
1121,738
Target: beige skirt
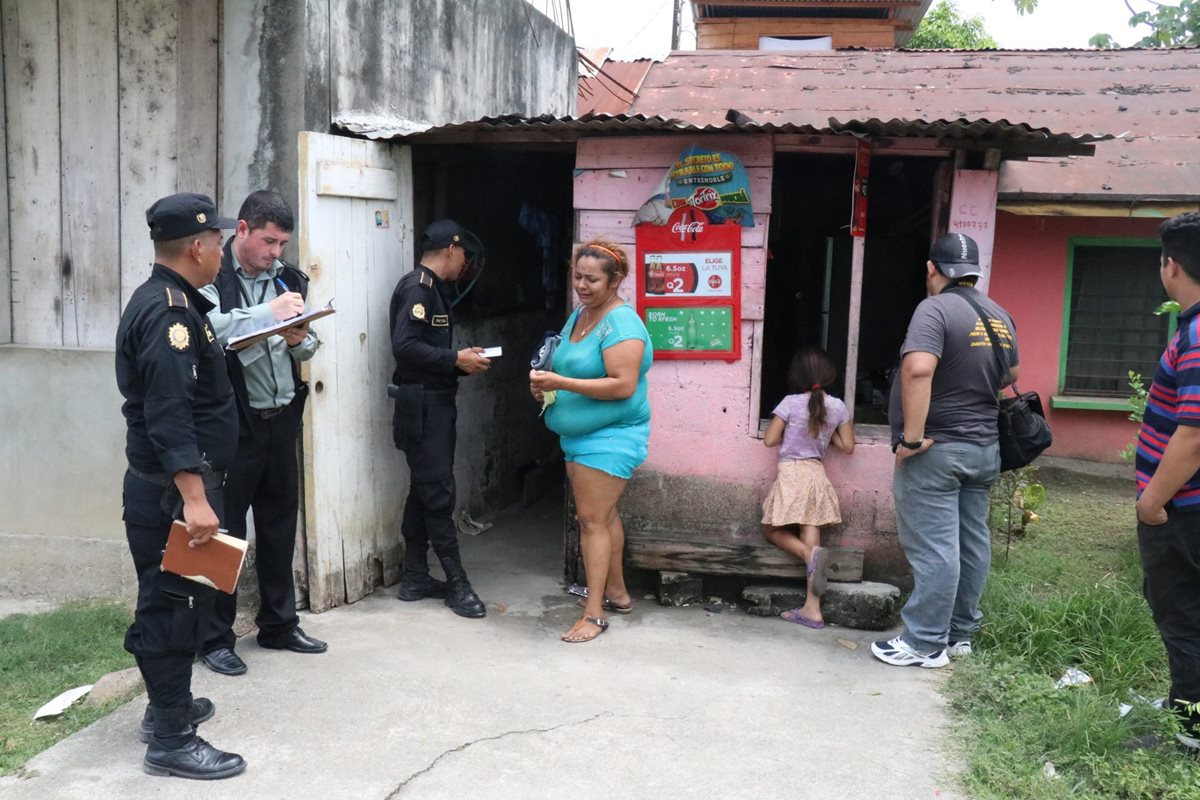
x,y
801,495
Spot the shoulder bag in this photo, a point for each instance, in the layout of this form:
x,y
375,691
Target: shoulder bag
x,y
1024,432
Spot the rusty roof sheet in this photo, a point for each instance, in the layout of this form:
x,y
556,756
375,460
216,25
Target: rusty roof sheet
x,y
1149,98
614,90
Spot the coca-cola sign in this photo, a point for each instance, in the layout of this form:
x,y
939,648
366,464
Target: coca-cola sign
x,y
688,224
682,228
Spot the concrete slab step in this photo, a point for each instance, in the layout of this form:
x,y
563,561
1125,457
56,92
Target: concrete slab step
x,y
867,605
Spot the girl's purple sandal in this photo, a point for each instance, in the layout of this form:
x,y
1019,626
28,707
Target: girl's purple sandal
x,y
794,615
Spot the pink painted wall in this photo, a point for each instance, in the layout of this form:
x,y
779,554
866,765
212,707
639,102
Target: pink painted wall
x,y
694,404
1029,276
704,442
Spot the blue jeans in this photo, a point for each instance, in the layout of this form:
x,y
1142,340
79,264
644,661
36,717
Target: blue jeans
x,y
941,501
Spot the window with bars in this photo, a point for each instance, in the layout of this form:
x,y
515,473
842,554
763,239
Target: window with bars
x,y
1111,328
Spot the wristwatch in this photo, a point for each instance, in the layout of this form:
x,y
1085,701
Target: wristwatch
x,y
908,445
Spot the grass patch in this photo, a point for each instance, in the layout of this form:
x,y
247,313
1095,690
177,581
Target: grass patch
x,y
42,655
1068,594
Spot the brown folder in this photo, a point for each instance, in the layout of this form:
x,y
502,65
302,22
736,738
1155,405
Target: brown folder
x,y
216,563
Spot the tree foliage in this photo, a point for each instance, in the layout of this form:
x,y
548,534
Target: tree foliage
x,y
945,28
1171,25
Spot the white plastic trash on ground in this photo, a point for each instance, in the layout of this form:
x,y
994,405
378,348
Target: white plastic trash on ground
x,y
1073,677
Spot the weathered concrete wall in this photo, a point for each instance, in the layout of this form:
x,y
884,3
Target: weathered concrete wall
x,y
275,53
62,459
63,453
297,66
707,469
448,60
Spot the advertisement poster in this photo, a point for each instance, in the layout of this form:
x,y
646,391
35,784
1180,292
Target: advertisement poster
x,y
701,274
707,180
689,286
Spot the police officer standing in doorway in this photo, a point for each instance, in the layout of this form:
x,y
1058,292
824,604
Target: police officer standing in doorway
x,y
425,384
254,290
182,434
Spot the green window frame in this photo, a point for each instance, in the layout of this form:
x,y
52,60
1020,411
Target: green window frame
x,y
1106,332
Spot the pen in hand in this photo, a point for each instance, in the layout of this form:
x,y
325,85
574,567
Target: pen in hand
x,y
282,285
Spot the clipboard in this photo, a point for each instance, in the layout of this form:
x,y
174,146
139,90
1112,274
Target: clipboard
x,y
251,339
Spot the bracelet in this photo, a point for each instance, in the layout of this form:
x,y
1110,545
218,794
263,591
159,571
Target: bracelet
x,y
908,445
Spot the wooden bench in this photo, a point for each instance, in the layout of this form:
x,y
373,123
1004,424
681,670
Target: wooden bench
x,y
666,553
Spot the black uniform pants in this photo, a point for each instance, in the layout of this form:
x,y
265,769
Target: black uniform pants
x,y
172,612
429,509
1171,564
264,477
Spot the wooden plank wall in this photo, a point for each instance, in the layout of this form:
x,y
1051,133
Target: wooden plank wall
x,y
615,176
354,477
5,263
743,34
35,236
109,105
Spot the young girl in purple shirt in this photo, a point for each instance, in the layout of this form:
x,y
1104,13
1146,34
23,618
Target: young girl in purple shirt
x,y
802,500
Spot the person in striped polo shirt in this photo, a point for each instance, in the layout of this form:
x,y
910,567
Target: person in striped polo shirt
x,y
1168,478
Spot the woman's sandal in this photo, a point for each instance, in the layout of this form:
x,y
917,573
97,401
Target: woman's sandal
x,y
609,605
579,637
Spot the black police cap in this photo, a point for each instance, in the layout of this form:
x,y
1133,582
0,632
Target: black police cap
x,y
443,233
180,215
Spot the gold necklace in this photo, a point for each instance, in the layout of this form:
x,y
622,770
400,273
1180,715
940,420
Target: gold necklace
x,y
599,314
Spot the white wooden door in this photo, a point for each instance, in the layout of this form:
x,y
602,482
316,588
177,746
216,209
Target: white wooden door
x,y
356,240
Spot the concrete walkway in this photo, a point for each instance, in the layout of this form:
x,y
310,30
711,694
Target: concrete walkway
x,y
414,702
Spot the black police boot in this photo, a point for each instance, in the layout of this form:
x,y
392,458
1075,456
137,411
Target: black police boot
x,y
416,583
420,588
175,749
460,597
202,711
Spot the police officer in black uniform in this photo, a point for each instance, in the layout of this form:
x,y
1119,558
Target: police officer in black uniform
x,y
423,426
182,432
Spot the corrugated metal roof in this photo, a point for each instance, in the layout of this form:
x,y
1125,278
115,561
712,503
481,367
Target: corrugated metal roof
x,y
1153,96
999,132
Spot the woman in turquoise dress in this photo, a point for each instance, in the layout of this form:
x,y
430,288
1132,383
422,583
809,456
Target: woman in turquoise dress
x,y
601,410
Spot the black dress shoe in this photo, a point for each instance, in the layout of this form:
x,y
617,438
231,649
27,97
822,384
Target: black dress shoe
x,y
224,661
197,759
421,589
462,600
202,711
296,641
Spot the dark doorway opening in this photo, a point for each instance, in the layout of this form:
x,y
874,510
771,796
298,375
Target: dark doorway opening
x,y
809,268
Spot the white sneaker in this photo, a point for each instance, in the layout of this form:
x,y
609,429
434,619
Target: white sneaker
x,y
958,649
899,654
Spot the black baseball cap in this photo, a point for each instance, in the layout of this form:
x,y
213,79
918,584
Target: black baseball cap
x,y
178,215
956,255
445,232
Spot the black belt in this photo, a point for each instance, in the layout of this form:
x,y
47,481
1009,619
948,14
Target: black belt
x,y
439,397
214,479
267,413
433,396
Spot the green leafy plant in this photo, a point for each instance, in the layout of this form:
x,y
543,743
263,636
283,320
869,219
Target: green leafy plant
x,y
1015,498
